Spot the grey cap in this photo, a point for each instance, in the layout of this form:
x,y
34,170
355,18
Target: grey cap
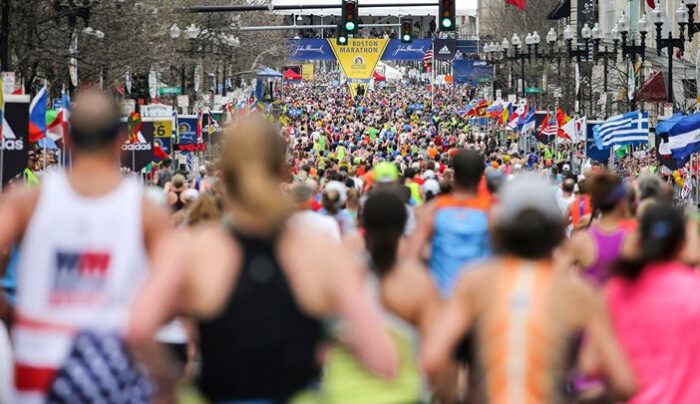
x,y
525,192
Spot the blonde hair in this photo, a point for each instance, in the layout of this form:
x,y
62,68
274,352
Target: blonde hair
x,y
252,166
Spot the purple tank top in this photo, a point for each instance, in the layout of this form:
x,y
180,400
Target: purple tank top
x,y
608,246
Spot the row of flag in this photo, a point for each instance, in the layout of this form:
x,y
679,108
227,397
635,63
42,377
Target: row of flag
x,y
680,136
43,122
544,124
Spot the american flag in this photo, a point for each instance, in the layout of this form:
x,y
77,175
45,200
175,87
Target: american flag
x,y
427,59
549,126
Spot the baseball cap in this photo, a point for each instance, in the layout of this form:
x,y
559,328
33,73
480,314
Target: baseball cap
x,y
339,188
429,174
526,192
386,172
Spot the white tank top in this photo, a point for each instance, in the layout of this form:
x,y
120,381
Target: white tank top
x,y
81,262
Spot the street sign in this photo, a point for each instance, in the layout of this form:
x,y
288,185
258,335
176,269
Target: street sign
x,y
170,90
557,92
532,90
183,101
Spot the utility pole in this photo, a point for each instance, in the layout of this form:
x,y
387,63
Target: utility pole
x,y
5,36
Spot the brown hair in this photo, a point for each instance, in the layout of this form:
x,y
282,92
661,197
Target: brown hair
x,y
606,190
207,208
252,167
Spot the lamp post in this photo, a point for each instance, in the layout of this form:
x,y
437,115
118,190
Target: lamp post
x,y
493,53
598,36
518,55
670,43
581,55
632,51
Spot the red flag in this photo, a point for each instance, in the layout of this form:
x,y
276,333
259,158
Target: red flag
x,y
562,119
521,3
199,125
159,153
651,4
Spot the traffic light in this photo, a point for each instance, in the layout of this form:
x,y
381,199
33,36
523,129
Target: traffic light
x,y
406,36
447,15
349,16
341,37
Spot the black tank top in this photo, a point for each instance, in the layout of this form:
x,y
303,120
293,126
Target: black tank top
x,y
178,204
262,346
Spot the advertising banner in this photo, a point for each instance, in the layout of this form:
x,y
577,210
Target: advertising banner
x,y
163,132
307,71
359,57
309,49
472,72
467,46
15,136
396,50
187,129
137,155
445,49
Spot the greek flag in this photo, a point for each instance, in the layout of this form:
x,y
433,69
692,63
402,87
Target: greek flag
x,y
684,137
629,128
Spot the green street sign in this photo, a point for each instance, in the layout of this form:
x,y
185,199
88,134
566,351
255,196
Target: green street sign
x,y
533,90
170,90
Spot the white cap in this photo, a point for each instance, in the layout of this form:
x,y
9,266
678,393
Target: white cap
x,y
524,192
566,167
431,185
340,188
429,174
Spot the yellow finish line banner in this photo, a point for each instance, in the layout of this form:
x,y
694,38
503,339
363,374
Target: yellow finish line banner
x,y
359,57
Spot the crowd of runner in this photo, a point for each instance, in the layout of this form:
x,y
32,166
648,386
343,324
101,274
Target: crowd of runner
x,y
375,249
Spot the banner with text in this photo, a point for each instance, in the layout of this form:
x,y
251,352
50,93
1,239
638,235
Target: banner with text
x,y
139,154
309,49
472,72
15,136
359,57
187,129
396,50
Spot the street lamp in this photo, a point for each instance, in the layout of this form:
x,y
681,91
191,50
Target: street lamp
x,y
632,51
670,43
598,36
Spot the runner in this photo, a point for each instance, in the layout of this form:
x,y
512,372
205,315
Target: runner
x,y
595,249
455,225
390,276
261,286
655,310
521,306
85,236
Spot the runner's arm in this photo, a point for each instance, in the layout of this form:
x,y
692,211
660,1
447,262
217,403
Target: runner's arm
x,y
153,303
602,352
364,332
421,235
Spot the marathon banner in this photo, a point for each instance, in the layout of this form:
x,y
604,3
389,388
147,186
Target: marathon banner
x,y
472,72
445,49
136,156
163,132
15,136
186,129
397,50
359,57
309,49
192,147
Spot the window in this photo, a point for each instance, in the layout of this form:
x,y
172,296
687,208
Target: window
x,y
690,88
610,17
